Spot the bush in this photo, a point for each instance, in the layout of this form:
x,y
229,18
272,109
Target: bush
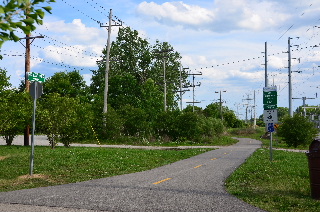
x,y
64,119
165,125
217,126
189,125
16,113
297,130
136,121
114,125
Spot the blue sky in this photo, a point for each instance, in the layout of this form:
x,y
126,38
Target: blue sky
x,y
223,39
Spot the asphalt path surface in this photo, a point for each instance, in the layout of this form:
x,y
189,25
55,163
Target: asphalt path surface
x,y
194,184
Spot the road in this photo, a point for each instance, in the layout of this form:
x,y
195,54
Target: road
x,y
194,184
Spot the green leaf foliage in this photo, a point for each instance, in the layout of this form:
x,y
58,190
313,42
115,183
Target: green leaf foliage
x,y
297,130
64,119
16,111
136,68
13,12
67,84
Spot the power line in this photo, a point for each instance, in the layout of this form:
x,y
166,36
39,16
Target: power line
x,y
65,1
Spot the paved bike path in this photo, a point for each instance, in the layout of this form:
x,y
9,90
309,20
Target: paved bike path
x,y
194,184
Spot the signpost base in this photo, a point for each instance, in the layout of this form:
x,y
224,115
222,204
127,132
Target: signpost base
x,y
271,153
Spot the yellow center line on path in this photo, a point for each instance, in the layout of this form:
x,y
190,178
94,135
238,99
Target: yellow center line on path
x,y
214,159
197,166
161,181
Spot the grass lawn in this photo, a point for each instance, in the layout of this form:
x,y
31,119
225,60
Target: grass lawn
x,y
67,165
281,185
277,142
216,141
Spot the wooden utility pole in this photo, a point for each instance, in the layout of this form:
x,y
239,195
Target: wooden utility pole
x,y
27,62
27,70
26,139
27,46
106,78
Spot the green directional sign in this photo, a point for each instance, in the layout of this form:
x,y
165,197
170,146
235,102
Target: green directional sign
x,y
32,76
270,99
270,107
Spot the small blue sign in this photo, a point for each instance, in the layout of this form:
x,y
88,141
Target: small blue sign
x,y
270,127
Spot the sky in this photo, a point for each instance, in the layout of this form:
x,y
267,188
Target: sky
x,y
224,40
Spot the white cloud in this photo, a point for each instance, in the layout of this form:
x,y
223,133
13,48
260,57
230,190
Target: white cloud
x,y
35,61
81,45
75,32
223,16
87,78
277,62
177,12
73,58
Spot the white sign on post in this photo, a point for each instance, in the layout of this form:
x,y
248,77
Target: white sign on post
x,y
270,116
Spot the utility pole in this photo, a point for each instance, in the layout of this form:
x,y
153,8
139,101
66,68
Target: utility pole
x,y
27,46
164,76
289,78
265,65
304,104
181,91
248,99
238,113
165,83
220,100
254,111
193,86
106,78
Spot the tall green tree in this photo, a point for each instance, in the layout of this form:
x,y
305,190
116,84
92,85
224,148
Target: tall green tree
x,y
21,14
213,110
68,84
283,112
195,109
4,80
166,62
132,57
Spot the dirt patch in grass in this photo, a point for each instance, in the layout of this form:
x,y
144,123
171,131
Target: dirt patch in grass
x,y
34,176
3,157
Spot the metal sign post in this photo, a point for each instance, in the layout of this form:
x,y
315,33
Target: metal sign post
x,y
271,130
34,84
35,91
270,113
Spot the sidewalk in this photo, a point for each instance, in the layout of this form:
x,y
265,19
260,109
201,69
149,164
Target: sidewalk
x,y
194,184
41,140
